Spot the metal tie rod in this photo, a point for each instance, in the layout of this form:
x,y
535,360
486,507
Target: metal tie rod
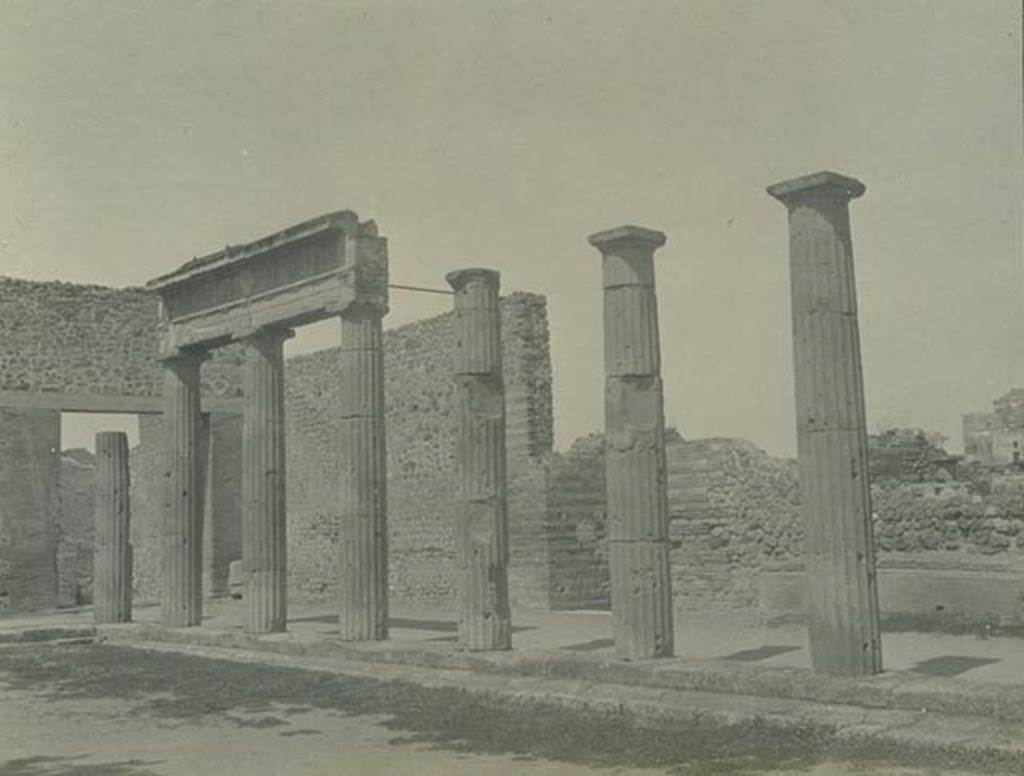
x,y
422,289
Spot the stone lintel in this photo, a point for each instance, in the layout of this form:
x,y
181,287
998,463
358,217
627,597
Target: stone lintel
x,y
170,354
281,333
792,191
635,237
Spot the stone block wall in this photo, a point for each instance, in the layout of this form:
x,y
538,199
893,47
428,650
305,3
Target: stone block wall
x,y
420,441
996,438
75,527
576,528
735,521
983,517
29,476
77,339
68,338
147,471
64,338
733,508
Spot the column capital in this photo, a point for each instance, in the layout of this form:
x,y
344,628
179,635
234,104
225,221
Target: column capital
x,y
632,238
820,184
363,309
460,278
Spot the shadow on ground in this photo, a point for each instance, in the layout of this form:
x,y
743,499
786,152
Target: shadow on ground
x,y
192,689
72,766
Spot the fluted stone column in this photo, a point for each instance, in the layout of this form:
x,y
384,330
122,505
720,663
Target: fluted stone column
x,y
264,538
362,538
183,515
635,469
485,620
839,555
112,556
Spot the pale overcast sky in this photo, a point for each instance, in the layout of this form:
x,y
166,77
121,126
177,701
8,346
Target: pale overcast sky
x,y
134,135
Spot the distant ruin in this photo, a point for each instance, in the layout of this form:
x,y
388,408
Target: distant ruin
x,y
996,438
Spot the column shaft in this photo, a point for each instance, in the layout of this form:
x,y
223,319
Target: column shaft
x,y
183,515
841,586
362,539
112,557
264,538
485,620
635,473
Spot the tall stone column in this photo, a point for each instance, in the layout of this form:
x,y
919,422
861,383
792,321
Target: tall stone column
x,y
363,532
182,603
839,555
112,555
635,472
264,539
485,620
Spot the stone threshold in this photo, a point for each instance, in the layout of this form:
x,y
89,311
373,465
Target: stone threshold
x,y
894,690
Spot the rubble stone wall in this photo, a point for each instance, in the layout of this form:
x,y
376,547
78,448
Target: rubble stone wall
x,y
29,476
420,442
68,338
735,518
75,527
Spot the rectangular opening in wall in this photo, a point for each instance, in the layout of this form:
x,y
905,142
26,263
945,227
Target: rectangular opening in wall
x,y
78,429
75,499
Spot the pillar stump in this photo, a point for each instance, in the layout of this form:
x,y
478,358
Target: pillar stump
x,y
635,469
182,603
363,533
485,619
839,556
112,556
264,537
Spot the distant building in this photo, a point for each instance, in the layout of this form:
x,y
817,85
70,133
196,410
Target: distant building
x,y
996,438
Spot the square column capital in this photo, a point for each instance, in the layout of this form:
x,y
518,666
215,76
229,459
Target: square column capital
x,y
824,183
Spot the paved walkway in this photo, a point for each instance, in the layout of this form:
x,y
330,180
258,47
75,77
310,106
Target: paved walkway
x,y
995,660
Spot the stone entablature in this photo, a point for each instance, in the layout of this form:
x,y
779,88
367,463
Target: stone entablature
x,y
306,273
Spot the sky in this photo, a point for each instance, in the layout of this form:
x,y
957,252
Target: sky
x,y
136,135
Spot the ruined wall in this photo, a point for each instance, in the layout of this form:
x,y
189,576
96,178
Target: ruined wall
x,y
76,339
996,438
62,338
29,472
576,527
59,337
735,526
146,467
984,517
420,440
76,503
732,507
68,338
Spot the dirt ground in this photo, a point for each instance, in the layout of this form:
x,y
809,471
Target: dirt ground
x,y
88,709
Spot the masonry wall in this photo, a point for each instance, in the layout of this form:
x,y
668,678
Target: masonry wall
x,y
29,473
736,528
996,438
577,574
90,340
420,442
75,527
146,494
